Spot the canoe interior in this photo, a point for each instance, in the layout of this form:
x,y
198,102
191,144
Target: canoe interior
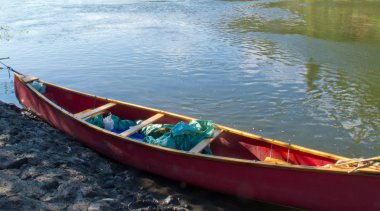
x,y
227,144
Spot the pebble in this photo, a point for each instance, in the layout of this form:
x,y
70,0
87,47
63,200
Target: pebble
x,y
11,164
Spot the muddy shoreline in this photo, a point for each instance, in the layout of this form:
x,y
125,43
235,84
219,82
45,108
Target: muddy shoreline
x,y
42,168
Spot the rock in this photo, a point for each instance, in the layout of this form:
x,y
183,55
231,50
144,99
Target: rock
x,y
30,172
80,206
104,168
12,163
173,208
104,204
47,198
108,184
50,185
143,204
67,191
4,137
15,131
20,203
33,190
171,200
187,206
91,191
94,207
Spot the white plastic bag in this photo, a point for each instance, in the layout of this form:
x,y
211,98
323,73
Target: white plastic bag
x,y
108,123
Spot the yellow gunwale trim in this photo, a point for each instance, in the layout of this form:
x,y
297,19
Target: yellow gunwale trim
x,y
366,172
221,127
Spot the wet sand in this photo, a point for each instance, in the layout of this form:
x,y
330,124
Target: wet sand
x,y
42,168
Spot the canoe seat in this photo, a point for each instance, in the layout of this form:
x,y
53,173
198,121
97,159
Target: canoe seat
x,y
205,142
138,127
82,112
275,161
29,78
92,112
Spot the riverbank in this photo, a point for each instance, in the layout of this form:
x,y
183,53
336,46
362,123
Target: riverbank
x,y
42,168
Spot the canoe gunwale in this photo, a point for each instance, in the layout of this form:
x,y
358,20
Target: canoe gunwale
x,y
199,155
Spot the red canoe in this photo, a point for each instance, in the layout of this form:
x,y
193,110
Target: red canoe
x,y
242,164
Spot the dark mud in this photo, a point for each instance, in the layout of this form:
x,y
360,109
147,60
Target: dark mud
x,y
42,168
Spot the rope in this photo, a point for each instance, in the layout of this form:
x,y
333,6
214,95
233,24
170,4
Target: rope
x,y
9,68
287,157
270,153
355,164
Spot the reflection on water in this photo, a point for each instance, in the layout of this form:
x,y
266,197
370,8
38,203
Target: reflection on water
x,y
7,88
352,103
4,33
312,75
341,66
329,20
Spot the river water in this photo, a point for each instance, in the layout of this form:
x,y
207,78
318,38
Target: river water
x,y
306,72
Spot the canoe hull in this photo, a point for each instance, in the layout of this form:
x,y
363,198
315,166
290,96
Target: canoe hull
x,y
304,188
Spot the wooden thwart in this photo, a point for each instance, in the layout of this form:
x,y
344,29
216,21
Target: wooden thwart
x,y
85,115
204,143
29,78
138,127
82,112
